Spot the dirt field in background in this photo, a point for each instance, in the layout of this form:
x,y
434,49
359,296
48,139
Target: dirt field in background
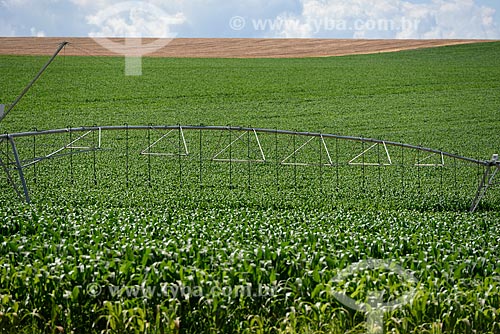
x,y
220,47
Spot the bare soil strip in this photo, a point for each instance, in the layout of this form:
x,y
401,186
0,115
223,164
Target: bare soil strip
x,y
220,47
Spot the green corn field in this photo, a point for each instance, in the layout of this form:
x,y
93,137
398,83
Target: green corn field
x,y
115,241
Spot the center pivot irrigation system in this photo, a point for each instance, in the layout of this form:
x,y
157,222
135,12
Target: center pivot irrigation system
x,y
195,153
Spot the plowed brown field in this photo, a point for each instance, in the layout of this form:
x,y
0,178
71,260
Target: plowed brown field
x,y
221,47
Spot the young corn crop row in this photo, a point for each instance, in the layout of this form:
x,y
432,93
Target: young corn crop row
x,y
168,268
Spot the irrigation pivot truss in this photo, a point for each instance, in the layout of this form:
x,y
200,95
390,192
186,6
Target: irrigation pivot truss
x,y
242,158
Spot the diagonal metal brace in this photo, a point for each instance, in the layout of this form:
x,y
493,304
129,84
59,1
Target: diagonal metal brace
x,y
352,161
19,169
147,150
7,171
261,151
322,139
4,110
487,180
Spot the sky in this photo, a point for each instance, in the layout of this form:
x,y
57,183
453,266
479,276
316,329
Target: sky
x,y
414,19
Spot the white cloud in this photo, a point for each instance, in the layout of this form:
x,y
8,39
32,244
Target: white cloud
x,y
389,19
134,19
36,33
200,18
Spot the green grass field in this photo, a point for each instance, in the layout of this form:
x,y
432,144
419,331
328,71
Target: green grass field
x,y
100,257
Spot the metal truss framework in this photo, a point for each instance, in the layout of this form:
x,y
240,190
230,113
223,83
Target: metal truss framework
x,y
10,161
70,146
389,161
177,147
217,157
293,154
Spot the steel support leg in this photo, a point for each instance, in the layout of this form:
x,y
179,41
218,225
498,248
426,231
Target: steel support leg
x,y
6,169
487,180
20,170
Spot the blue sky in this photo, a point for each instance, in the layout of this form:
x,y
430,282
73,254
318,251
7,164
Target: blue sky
x,y
476,19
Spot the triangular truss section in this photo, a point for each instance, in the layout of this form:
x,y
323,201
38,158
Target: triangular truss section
x,y
295,158
239,150
72,146
369,155
438,159
169,145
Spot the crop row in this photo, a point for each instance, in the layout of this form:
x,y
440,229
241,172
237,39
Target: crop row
x,y
160,268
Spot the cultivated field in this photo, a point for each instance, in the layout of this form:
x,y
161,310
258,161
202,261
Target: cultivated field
x,y
119,242
225,47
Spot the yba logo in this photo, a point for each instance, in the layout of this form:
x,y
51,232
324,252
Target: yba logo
x,y
134,20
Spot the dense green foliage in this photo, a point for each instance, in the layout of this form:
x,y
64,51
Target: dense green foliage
x,y
165,255
293,255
